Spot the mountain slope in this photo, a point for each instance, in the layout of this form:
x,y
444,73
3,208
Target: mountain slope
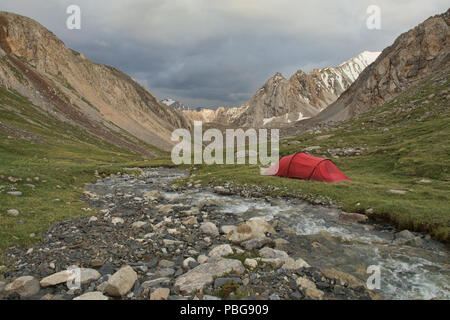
x,y
414,56
304,95
95,97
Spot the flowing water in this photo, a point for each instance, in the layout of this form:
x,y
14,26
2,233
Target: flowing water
x,y
315,234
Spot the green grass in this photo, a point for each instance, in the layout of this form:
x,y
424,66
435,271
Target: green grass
x,y
415,146
64,157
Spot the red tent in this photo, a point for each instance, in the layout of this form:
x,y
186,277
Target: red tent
x,y
304,166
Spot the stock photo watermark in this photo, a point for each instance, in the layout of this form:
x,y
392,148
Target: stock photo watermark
x,y
73,22
373,21
374,280
234,150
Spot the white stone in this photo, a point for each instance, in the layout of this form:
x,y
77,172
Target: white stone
x,y
26,286
254,228
309,288
204,274
86,276
251,263
221,250
13,212
209,228
202,259
121,282
187,261
116,221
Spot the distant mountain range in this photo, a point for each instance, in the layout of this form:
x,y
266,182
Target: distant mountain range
x,y
282,101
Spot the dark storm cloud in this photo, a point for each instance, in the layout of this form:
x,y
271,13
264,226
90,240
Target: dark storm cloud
x,y
210,53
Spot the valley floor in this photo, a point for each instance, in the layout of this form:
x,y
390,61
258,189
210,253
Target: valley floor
x,y
398,157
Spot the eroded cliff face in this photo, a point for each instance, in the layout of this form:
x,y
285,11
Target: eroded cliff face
x,y
98,98
414,56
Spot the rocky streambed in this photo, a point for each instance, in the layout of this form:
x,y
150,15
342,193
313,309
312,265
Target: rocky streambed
x,y
155,241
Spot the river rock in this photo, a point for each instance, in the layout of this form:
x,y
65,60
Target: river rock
x,y
121,282
251,263
26,286
273,262
349,218
204,274
86,276
92,296
295,264
270,253
188,262
253,228
221,190
405,235
256,243
156,282
343,278
190,221
160,294
309,288
209,228
153,195
227,229
138,224
117,220
221,250
202,259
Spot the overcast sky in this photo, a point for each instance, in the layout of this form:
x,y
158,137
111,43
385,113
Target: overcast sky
x,y
219,52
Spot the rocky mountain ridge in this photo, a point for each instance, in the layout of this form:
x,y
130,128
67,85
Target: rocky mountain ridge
x,y
414,56
281,101
97,98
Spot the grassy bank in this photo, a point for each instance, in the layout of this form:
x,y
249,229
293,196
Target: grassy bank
x,y
37,149
405,142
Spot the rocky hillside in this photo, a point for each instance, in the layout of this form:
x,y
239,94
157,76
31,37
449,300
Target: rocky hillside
x,y
94,97
281,101
414,56
304,95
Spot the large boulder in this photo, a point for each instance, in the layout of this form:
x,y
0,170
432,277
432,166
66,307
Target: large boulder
x,y
86,276
203,275
253,228
26,286
121,282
